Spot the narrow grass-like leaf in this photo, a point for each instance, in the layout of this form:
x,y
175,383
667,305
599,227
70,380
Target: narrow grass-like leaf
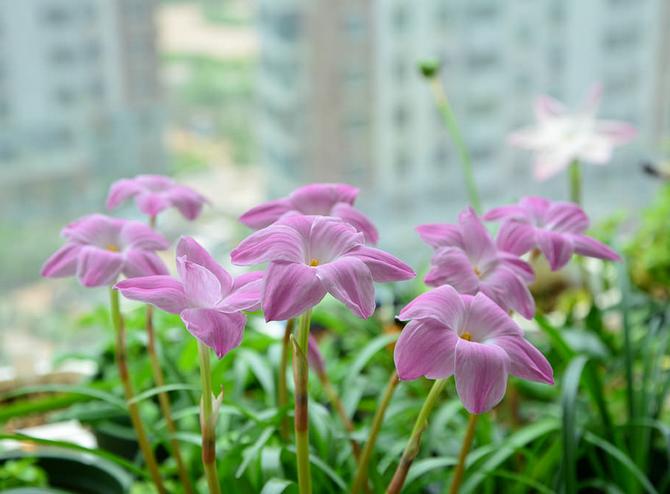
x,y
276,486
252,451
570,435
366,353
67,388
162,389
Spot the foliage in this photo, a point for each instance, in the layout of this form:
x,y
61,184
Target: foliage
x,y
21,473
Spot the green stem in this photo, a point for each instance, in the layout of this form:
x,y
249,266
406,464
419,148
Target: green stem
x,y
301,422
282,388
362,472
465,448
575,174
449,118
414,443
133,408
164,402
208,421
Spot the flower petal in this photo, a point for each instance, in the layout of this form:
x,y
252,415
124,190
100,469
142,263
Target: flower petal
x,y
450,266
94,229
547,107
484,319
509,291
245,297
277,242
481,375
566,217
200,285
556,247
140,236
443,304
186,200
425,348
120,191
194,252
246,278
440,235
98,267
218,330
354,217
63,262
290,289
265,214
590,247
143,263
329,238
515,237
526,361
320,198
506,212
349,280
151,203
383,266
477,242
164,292
617,132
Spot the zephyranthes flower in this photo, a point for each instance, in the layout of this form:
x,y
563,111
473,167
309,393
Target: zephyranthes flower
x,y
313,255
559,138
100,248
470,337
466,258
155,193
555,228
315,199
207,298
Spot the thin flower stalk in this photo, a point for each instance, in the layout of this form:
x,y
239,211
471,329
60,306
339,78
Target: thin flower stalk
x,y
414,443
282,388
133,408
301,422
575,175
361,479
465,448
208,420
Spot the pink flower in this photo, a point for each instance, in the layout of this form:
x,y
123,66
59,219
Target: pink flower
x,y
466,258
559,138
155,193
99,248
470,337
207,298
313,255
314,199
555,228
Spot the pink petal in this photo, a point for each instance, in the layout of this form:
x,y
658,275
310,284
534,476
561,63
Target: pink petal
x,y
547,107
154,182
265,214
515,237
477,242
354,217
140,236
617,132
245,297
566,217
186,200
152,203
330,238
164,292
556,247
383,266
320,198
484,319
443,304
143,263
120,191
506,212
274,243
425,348
98,267
590,247
200,285
194,252
290,289
481,375
218,330
450,266
349,280
549,163
246,278
63,262
593,98
440,235
509,291
520,267
526,361
94,229
598,150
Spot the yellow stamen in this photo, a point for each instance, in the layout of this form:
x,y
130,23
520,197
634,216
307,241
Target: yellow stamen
x,y
477,271
466,336
314,262
112,247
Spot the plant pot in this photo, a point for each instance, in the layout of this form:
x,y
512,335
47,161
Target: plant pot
x,y
74,472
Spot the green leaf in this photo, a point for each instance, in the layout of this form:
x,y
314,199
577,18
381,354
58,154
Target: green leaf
x,y
368,351
570,436
162,389
276,486
66,388
252,451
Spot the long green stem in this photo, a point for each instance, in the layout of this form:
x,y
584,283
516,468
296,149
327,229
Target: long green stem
x,y
164,402
282,388
301,421
208,422
575,174
414,443
133,408
465,448
362,472
449,118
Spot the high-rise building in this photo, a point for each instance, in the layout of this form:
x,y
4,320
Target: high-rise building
x,y
78,101
495,58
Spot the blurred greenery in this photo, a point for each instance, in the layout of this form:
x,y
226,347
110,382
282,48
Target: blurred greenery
x,y
21,473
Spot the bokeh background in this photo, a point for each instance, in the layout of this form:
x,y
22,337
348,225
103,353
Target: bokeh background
x,y
245,100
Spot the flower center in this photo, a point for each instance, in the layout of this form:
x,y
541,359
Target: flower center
x,y
314,262
112,247
477,271
466,336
